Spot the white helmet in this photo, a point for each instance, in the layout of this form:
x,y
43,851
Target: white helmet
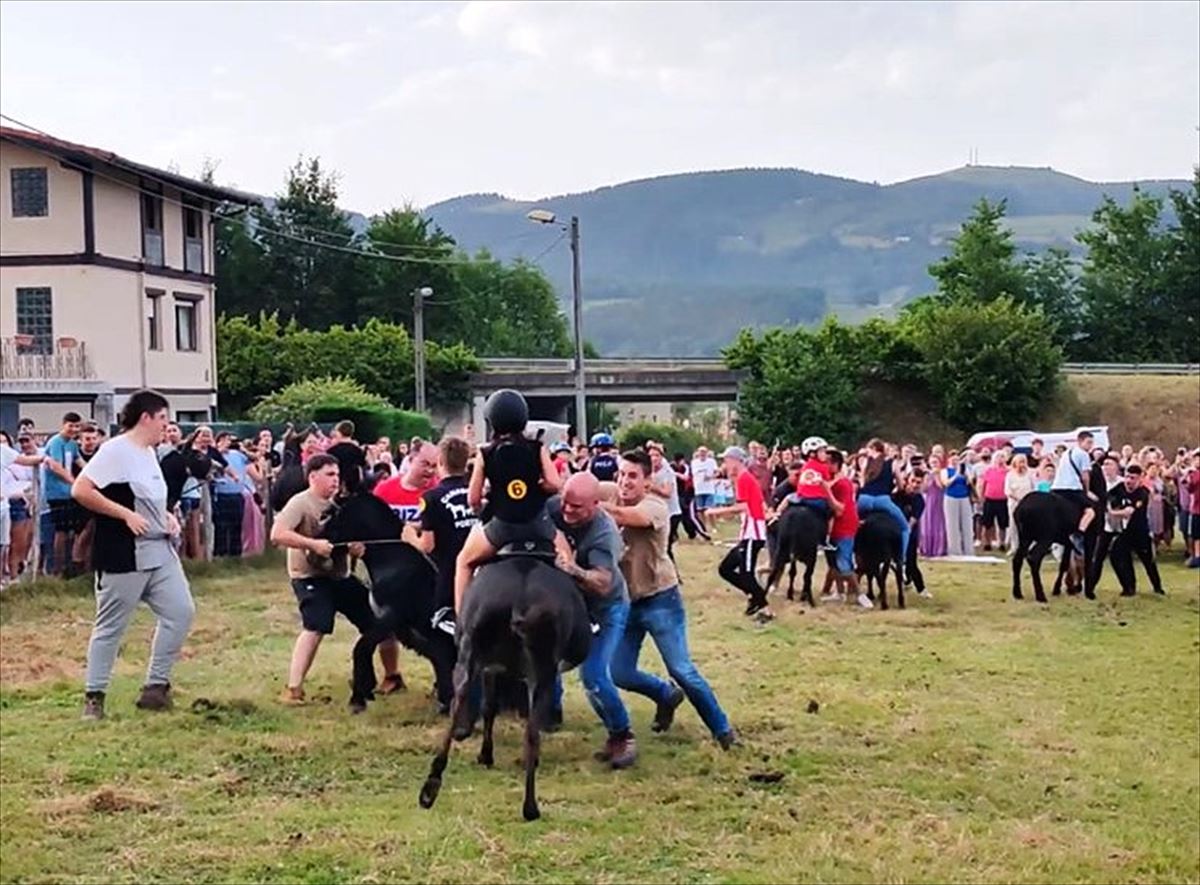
x,y
811,445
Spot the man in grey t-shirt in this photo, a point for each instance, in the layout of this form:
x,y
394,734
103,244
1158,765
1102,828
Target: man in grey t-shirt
x,y
595,566
665,483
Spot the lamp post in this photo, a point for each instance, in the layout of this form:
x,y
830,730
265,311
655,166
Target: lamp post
x,y
419,296
544,216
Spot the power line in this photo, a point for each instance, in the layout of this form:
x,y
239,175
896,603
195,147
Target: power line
x,y
399,259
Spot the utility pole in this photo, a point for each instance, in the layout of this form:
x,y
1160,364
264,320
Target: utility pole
x,y
577,290
419,296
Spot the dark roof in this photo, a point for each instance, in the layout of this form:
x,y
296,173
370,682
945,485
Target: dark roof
x,y
84,156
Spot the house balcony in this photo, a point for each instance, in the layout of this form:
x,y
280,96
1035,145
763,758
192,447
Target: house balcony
x,y
65,359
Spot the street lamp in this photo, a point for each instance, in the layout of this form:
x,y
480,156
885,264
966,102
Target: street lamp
x,y
419,296
545,216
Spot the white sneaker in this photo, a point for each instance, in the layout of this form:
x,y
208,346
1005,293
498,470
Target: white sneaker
x,y
865,601
925,594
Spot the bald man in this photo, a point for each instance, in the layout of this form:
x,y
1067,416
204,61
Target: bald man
x,y
592,560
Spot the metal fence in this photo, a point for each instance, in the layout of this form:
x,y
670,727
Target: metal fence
x,y
35,562
1131,368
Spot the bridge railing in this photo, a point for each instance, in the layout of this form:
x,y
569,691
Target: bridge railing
x,y
609,364
1131,368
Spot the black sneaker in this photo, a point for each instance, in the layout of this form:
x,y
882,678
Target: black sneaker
x,y
93,706
755,606
664,714
728,740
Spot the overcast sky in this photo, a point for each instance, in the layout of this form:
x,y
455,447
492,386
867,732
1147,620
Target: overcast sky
x,y
423,101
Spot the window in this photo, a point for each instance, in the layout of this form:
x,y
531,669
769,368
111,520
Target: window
x,y
30,195
153,320
193,239
187,330
191,417
35,325
152,230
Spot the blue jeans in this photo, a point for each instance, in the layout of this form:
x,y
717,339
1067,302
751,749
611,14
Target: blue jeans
x,y
596,670
662,616
868,503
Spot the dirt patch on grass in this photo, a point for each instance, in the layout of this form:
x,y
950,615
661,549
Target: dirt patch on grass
x,y
40,653
106,800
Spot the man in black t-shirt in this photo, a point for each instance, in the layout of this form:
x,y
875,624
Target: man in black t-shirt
x,y
352,461
911,502
446,520
1129,501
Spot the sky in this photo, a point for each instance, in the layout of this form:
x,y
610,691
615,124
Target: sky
x,y
419,102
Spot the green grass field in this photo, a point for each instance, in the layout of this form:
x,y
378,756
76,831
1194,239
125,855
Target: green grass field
x,y
969,738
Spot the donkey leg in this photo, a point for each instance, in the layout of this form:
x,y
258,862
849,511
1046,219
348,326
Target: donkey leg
x,y
362,680
791,580
806,595
486,756
1064,567
1036,555
433,783
899,584
540,698
880,572
1018,562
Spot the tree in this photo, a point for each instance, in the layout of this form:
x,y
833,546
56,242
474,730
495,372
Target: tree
x,y
799,383
430,253
982,265
510,311
1182,276
1131,315
1053,285
989,365
318,285
257,358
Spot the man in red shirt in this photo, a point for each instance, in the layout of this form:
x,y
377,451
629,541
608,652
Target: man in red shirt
x,y
403,492
841,498
738,565
1193,487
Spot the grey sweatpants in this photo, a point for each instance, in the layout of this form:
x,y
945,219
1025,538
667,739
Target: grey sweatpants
x,y
960,526
165,590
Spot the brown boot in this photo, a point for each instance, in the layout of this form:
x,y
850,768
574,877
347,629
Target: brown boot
x,y
624,751
155,697
292,696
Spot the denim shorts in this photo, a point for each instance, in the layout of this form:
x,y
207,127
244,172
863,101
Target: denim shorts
x,y
844,557
705,501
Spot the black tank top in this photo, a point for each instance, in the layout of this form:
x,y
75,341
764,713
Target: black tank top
x,y
513,468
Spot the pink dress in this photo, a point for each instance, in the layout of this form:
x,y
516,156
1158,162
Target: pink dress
x,y
253,527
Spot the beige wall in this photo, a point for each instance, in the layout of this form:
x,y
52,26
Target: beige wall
x,y
105,308
60,231
171,368
118,217
47,417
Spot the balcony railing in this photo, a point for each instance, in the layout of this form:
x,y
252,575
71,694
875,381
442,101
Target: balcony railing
x,y
66,361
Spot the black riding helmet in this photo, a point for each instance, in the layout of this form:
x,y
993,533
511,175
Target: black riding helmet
x,y
506,412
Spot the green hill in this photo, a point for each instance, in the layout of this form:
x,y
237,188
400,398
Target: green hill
x,y
677,265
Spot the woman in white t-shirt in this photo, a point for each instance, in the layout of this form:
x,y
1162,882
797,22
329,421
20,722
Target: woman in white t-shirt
x,y
134,555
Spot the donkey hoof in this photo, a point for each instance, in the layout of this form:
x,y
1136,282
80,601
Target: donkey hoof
x,y
485,759
357,705
530,811
429,793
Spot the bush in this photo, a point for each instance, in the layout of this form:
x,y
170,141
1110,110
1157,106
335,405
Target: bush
x,y
990,365
372,422
300,401
674,439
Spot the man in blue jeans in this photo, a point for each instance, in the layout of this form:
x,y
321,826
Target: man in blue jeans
x,y
657,606
593,565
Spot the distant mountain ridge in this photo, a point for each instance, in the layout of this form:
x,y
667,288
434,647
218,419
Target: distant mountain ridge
x,y
676,265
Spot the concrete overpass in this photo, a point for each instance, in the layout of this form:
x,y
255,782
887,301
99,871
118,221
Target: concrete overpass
x,y
549,384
